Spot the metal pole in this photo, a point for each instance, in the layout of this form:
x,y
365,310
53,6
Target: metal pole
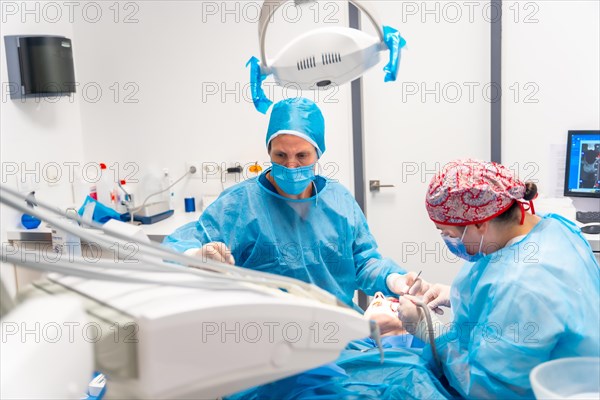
x,y
358,141
496,81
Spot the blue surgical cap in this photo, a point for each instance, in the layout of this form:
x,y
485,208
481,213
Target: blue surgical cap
x,y
299,117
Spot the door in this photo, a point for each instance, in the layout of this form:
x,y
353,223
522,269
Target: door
x,y
437,110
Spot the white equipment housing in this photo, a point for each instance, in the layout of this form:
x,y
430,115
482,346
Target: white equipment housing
x,y
324,57
166,325
45,354
172,342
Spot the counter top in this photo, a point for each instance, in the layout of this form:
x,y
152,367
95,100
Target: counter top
x,y
156,232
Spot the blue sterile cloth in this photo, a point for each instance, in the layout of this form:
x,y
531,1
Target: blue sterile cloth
x,y
102,213
260,100
395,43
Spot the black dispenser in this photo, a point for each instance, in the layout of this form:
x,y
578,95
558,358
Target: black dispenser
x,y
39,66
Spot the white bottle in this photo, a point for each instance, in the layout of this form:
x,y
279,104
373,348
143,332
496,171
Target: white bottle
x,y
167,182
120,197
81,188
105,188
65,243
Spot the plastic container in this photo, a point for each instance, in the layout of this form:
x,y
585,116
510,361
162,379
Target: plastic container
x,y
81,188
29,221
567,378
66,243
121,196
166,182
94,193
105,188
190,204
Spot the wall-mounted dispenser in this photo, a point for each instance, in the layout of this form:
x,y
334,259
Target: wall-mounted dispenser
x,y
39,66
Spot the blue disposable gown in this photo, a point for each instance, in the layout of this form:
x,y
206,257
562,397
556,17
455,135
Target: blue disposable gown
x,y
528,303
323,240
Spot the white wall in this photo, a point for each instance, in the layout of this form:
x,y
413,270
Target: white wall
x,y
551,54
550,59
186,62
36,136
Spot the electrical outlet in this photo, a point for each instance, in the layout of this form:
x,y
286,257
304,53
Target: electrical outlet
x,y
211,170
193,164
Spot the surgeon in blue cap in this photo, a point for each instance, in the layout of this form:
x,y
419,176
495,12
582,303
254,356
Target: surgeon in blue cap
x,y
291,222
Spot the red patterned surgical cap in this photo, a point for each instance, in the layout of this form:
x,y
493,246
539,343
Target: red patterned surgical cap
x,y
469,191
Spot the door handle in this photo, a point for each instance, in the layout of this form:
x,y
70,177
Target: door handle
x,y
374,186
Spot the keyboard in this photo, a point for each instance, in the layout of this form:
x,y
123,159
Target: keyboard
x,y
588,217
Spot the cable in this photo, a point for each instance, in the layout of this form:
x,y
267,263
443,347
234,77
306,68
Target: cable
x,y
226,272
376,336
87,272
191,171
430,331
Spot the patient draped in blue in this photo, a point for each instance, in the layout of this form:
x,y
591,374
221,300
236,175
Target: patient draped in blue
x,y
407,371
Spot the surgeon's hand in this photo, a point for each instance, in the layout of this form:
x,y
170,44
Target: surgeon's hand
x,y
437,296
400,284
215,251
409,314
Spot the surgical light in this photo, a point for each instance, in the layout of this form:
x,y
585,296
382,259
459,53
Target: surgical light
x,y
323,57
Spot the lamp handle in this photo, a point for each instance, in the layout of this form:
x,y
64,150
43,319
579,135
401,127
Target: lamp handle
x,y
270,6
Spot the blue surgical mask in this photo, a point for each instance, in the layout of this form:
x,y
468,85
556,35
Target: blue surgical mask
x,y
458,248
293,180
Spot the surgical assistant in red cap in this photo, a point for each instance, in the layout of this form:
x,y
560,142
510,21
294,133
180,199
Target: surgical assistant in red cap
x,y
528,293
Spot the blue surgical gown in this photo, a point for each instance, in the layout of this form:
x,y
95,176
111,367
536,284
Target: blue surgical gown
x,y
322,240
530,302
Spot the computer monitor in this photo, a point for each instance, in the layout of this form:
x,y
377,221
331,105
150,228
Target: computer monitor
x,y
582,172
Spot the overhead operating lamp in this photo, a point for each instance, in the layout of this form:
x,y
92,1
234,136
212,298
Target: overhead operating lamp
x,y
323,57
